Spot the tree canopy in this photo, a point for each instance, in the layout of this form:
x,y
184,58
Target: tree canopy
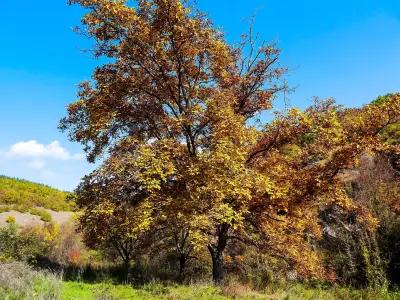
x,y
173,111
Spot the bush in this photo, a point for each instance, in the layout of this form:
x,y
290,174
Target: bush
x,y
62,247
19,281
43,214
67,248
18,246
10,220
5,208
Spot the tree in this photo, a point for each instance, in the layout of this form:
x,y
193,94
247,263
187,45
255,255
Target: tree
x,y
111,224
309,154
176,239
391,134
170,90
175,106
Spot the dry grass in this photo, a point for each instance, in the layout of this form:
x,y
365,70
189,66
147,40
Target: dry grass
x,y
236,290
20,281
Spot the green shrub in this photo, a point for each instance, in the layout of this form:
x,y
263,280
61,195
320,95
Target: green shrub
x,y
10,220
18,246
43,214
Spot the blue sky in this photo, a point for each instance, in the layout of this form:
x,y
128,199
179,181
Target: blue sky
x,y
349,50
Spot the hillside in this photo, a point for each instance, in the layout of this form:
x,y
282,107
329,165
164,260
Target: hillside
x,y
23,195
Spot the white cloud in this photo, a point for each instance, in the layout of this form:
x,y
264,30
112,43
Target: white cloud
x,y
33,149
49,163
37,164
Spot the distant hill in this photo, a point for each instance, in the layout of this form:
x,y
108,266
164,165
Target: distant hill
x,y
23,195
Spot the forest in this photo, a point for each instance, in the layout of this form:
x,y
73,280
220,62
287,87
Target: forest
x,y
196,193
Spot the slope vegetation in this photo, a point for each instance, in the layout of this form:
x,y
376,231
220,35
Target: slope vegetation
x,y
23,195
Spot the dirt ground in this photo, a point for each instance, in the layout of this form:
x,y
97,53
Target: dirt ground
x,y
24,219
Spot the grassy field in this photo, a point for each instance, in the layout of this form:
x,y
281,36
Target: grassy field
x,y
74,290
20,282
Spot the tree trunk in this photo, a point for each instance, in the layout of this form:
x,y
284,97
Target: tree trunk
x,y
182,266
127,270
217,265
217,253
126,256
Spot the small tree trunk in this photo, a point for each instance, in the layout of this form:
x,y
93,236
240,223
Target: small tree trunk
x,y
182,266
126,256
127,269
217,253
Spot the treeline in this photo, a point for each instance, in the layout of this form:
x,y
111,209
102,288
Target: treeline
x,y
193,182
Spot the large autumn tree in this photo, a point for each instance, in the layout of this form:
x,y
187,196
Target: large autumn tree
x,y
174,93
174,109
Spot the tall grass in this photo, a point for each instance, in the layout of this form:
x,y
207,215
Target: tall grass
x,y
18,281
206,291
